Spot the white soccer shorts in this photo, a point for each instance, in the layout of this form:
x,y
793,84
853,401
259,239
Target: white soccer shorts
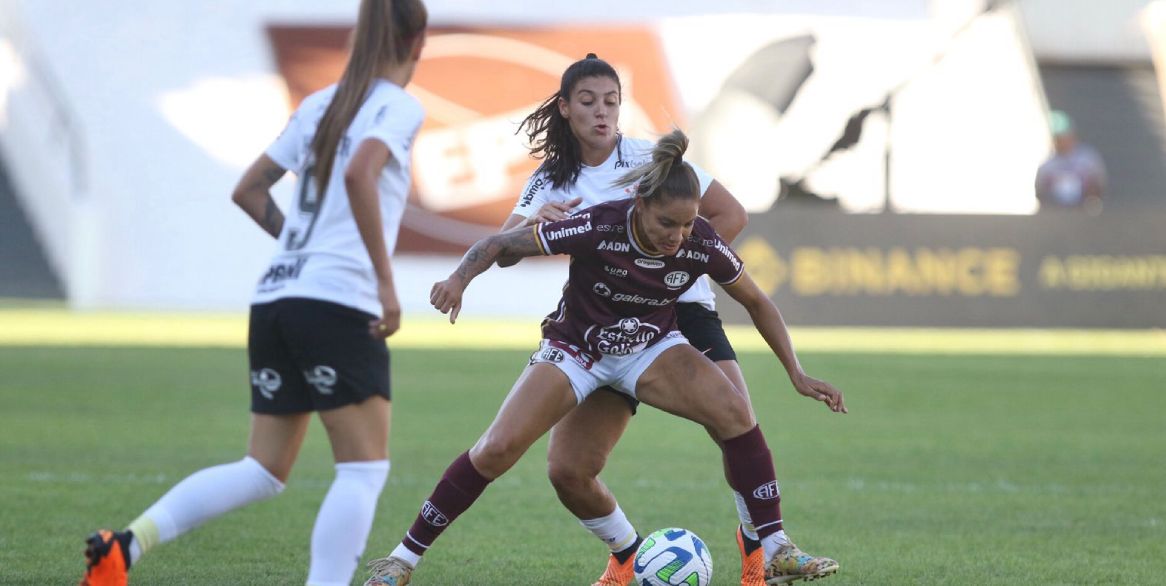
x,y
588,374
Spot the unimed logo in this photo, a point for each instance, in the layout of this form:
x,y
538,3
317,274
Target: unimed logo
x,y
767,492
433,516
568,231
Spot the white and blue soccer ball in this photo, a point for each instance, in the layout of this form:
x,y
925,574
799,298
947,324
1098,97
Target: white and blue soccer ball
x,y
673,557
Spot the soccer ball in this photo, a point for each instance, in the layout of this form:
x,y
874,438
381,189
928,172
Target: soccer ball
x,y
673,557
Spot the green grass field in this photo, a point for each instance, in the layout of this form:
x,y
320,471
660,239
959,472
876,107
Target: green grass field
x,y
949,469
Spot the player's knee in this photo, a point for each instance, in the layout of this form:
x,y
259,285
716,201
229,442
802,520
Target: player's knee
x,y
268,481
570,477
496,453
734,417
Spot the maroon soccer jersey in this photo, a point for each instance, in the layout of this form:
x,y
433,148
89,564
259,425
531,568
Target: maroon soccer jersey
x,y
620,299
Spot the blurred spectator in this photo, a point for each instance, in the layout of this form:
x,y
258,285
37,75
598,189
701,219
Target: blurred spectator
x,y
1074,177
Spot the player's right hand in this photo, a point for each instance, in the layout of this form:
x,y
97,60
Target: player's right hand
x,y
553,211
446,297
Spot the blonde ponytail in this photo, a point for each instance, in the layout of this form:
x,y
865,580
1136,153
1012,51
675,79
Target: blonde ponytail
x,y
668,175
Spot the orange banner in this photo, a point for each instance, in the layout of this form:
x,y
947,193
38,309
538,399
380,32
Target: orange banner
x,y
476,85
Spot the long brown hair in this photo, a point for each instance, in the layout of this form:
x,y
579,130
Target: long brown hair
x,y
668,175
385,30
550,134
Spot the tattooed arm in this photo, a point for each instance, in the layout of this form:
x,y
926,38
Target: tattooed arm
x,y
253,194
446,295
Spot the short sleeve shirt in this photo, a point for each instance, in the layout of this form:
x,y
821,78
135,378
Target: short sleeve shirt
x,y
321,254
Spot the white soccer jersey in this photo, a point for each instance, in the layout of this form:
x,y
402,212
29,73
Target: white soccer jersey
x,y
594,185
321,255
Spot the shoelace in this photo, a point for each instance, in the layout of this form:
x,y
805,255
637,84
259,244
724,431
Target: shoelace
x,y
378,566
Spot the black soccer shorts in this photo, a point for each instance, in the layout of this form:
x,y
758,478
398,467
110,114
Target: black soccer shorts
x,y
312,355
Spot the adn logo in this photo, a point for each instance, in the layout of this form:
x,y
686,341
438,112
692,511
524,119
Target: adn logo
x,y
322,377
614,246
693,254
267,381
649,263
767,492
601,290
433,516
676,279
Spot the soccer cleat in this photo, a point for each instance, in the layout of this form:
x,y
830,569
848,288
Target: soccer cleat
x,y
389,571
752,560
107,559
617,573
790,564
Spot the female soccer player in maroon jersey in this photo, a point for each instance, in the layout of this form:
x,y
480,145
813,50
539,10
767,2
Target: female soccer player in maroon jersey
x,y
616,326
575,132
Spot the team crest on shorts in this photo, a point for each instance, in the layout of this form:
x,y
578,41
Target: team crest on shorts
x,y
323,378
266,381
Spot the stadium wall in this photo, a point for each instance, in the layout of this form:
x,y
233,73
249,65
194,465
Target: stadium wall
x,y
166,103
1049,270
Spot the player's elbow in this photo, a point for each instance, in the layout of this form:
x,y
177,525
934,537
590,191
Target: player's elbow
x,y
508,261
240,196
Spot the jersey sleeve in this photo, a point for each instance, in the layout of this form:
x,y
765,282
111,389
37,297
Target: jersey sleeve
x,y
703,177
534,195
396,124
573,235
724,266
287,150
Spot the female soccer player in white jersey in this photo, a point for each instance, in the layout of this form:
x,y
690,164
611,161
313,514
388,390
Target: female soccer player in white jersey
x,y
617,326
575,132
322,309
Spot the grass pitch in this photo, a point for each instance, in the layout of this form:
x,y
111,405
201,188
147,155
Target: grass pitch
x,y
950,469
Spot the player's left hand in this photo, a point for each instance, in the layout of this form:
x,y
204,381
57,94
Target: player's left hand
x,y
820,390
390,320
446,297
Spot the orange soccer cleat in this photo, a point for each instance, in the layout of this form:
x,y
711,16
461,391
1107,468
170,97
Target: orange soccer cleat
x,y
617,573
107,559
752,560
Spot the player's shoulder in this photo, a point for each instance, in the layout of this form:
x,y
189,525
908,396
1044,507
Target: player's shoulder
x,y
634,152
318,100
539,184
387,97
703,229
610,212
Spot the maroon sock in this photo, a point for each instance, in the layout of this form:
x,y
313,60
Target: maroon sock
x,y
460,486
751,470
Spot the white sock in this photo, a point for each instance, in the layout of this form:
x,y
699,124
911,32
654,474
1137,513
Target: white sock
x,y
743,515
614,530
406,555
344,521
771,543
200,497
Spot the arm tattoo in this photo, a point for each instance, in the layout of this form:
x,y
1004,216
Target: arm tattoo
x,y
518,243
